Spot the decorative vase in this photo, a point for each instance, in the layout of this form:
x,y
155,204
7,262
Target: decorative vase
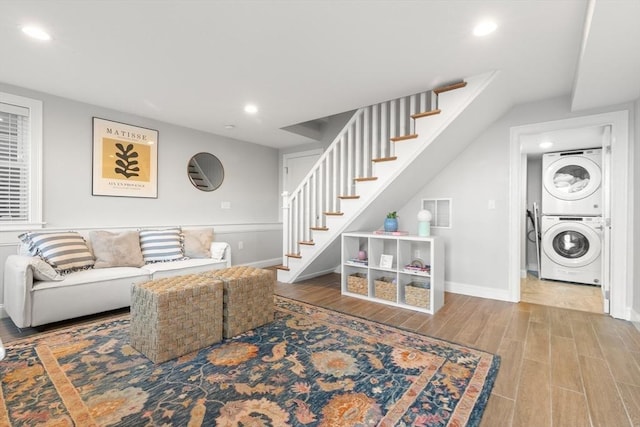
x,y
362,255
391,224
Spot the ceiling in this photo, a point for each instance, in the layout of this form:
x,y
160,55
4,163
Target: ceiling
x,y
197,63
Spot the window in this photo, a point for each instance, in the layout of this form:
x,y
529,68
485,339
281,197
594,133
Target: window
x,y
440,212
20,161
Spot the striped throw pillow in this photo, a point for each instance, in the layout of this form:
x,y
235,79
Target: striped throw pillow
x,y
161,245
65,252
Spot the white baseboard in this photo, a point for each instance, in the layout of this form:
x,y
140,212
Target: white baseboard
x,y
316,274
3,312
634,317
477,291
264,263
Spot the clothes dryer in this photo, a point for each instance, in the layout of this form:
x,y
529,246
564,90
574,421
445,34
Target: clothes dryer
x,y
572,183
571,249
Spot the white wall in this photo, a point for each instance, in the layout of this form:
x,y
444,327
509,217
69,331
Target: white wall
x,y
250,182
636,212
534,194
476,245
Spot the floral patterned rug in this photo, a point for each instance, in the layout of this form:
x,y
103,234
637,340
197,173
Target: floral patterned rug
x,y
310,367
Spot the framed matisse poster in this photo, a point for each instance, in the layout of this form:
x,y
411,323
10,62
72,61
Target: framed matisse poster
x,y
125,160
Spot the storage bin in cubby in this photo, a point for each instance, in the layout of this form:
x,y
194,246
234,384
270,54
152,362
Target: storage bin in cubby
x,y
385,288
357,283
418,293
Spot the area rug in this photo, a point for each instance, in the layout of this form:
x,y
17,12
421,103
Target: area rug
x,y
310,367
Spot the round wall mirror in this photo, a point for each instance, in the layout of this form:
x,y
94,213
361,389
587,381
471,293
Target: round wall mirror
x,y
205,171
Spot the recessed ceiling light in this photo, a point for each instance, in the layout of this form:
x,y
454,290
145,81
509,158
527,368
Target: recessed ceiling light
x,y
229,126
36,33
546,144
484,28
250,108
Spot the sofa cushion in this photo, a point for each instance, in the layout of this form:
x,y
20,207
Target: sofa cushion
x,y
66,251
114,274
161,245
197,242
116,249
187,266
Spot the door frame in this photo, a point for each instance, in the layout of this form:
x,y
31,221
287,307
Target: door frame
x,y
288,156
622,227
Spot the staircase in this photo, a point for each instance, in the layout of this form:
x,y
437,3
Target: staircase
x,y
381,150
198,177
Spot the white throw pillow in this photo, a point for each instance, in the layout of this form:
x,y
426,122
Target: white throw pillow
x,y
43,271
197,242
116,249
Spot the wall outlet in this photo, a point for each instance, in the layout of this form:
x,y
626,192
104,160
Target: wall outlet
x,y
416,253
240,244
225,205
492,204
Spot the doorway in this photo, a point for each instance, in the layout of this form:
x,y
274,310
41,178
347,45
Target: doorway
x,y
295,166
617,266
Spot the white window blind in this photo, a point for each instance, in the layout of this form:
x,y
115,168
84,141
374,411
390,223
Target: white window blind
x,y
20,162
14,163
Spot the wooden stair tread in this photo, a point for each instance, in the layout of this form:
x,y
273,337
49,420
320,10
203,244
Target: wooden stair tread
x,y
404,137
319,228
333,213
282,267
293,256
384,159
365,178
348,197
426,113
447,88
307,242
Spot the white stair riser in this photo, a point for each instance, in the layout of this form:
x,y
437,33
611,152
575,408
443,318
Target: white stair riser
x,y
284,276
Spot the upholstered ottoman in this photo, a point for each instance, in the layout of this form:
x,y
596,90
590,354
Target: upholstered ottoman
x,y
173,316
248,298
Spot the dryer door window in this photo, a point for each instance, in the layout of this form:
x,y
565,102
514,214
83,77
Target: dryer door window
x,y
571,244
572,178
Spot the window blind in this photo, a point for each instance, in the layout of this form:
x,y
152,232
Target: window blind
x,y
14,164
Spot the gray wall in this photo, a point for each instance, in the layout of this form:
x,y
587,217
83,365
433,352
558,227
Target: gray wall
x,y
250,184
476,245
534,194
636,212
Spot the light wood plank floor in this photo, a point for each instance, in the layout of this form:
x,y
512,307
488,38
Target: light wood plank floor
x,y
559,367
561,294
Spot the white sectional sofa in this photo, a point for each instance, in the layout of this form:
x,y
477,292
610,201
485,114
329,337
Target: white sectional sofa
x,y
35,293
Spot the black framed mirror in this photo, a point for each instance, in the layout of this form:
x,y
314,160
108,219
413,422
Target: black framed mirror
x,y
205,171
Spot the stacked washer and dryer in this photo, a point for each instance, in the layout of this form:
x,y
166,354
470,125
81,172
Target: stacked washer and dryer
x,y
571,226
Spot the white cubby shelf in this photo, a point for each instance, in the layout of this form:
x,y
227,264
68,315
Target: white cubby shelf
x,y
415,288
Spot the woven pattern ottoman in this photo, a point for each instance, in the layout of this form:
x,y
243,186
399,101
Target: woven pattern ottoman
x,y
174,316
248,298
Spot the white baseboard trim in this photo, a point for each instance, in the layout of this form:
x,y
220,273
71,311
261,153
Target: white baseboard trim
x,y
634,317
3,312
264,263
523,274
316,274
477,291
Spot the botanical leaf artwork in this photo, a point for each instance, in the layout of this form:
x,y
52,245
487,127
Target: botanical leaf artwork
x,y
126,163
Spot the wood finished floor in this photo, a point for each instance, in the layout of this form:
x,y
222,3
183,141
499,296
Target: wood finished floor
x,y
559,367
561,294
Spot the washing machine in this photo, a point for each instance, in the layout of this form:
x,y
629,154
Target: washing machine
x,y
571,249
572,183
